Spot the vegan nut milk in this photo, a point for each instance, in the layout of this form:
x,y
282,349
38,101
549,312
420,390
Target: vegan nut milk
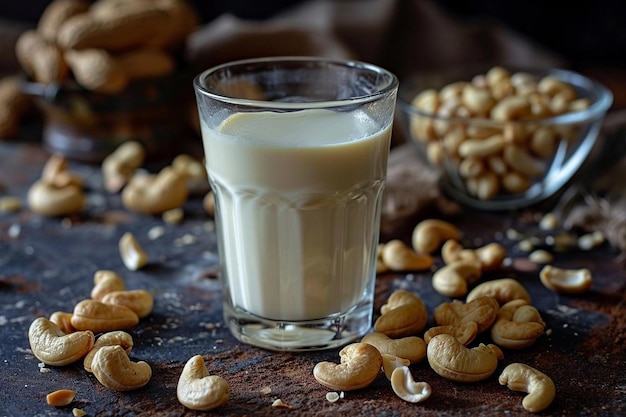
x,y
299,197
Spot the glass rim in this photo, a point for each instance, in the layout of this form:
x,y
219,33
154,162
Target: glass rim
x,y
385,90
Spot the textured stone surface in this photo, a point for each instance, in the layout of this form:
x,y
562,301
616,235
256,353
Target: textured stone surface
x,y
48,265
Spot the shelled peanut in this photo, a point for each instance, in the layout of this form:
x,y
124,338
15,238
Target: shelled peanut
x,y
107,44
489,129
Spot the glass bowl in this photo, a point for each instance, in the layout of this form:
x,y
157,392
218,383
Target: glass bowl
x,y
503,138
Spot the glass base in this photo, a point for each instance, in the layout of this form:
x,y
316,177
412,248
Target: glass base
x,y
327,333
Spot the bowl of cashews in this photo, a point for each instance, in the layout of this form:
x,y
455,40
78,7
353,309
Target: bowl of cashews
x,y
503,138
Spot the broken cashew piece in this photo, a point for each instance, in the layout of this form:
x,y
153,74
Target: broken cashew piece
x,y
197,390
412,348
133,255
453,361
60,398
391,362
405,387
114,369
359,367
55,348
540,388
566,281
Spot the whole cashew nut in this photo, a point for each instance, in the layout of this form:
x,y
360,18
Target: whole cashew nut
x,y
540,388
55,348
120,165
453,361
404,314
397,256
453,279
155,194
197,390
430,234
517,326
359,367
106,281
412,348
463,332
100,317
482,311
48,200
503,290
405,387
139,301
114,369
117,337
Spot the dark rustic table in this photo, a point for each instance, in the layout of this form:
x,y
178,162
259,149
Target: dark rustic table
x,y
48,265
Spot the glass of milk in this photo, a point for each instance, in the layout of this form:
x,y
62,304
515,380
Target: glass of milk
x,y
296,152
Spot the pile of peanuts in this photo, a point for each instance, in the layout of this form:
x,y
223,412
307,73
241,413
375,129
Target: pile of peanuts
x,y
506,152
107,44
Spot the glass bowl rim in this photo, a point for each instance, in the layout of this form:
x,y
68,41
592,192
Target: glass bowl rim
x,y
599,106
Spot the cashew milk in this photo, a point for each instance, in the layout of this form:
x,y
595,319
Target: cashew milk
x,y
298,196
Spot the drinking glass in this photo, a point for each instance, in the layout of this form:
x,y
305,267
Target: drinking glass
x,y
296,153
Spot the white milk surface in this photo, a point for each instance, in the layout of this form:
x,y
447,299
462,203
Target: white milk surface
x,y
298,197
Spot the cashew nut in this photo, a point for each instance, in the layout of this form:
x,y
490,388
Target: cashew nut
x,y
53,347
100,317
405,387
119,166
412,348
48,200
197,390
404,314
567,281
429,235
540,388
57,174
397,256
114,369
482,311
452,250
517,326
63,320
155,194
453,279
106,281
503,290
133,255
391,362
359,367
140,301
463,332
194,170
117,337
453,361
